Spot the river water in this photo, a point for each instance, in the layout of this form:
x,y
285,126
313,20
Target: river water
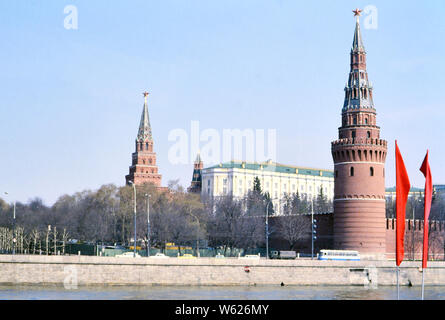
x,y
216,292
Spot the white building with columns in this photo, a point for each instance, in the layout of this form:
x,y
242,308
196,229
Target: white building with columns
x,y
236,178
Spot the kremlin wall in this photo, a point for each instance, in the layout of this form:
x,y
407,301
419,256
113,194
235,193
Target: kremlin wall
x,y
325,238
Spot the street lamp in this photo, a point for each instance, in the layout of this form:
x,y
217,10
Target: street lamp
x,y
134,188
313,231
414,204
13,229
267,228
148,224
267,223
197,233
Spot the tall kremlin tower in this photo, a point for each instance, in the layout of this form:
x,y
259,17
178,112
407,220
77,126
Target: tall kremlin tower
x,y
196,183
359,161
143,167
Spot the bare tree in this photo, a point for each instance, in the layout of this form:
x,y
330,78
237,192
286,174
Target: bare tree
x,y
293,228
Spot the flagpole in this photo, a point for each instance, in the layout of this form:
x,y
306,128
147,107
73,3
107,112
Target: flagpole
x,y
402,190
423,283
398,286
427,196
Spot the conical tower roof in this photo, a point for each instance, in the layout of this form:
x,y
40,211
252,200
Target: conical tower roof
x,y
357,43
144,132
198,157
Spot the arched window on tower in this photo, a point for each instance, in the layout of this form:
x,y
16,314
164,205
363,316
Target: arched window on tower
x,y
351,171
369,134
371,171
355,119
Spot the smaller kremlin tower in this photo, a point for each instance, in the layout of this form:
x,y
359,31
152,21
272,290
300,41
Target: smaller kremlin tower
x,y
196,184
143,167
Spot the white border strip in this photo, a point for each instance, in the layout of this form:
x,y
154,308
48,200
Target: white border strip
x,y
358,162
364,199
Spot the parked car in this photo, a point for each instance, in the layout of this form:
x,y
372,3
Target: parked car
x,y
187,256
219,256
127,255
283,255
159,256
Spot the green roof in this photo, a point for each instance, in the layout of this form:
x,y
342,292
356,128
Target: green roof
x,y
273,167
437,187
413,189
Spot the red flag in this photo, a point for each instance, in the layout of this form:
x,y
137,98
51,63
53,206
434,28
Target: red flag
x,y
425,168
402,190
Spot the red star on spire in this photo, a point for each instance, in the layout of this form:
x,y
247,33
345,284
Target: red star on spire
x,y
357,12
146,93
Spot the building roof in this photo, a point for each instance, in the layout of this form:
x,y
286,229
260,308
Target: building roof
x,y
436,187
198,157
413,189
357,43
144,132
273,167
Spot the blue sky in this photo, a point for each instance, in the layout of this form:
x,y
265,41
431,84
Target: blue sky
x,y
71,99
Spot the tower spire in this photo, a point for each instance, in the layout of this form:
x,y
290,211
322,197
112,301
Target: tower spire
x,y
357,43
198,157
144,132
358,90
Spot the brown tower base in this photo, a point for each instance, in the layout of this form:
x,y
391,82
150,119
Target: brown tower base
x,y
360,225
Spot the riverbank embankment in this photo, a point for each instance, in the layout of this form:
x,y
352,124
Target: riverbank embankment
x,y
88,270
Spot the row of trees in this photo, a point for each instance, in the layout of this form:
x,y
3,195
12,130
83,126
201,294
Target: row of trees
x,y
415,207
106,215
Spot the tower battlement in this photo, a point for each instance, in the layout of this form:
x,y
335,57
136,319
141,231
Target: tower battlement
x,y
360,142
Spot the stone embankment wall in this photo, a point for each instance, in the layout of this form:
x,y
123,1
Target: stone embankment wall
x,y
86,270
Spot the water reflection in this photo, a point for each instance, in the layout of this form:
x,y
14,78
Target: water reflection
x,y
216,292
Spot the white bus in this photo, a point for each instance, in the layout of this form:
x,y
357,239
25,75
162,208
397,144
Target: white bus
x,y
343,255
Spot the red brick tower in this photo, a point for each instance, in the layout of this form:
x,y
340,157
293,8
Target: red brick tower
x,y
359,160
143,168
196,183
